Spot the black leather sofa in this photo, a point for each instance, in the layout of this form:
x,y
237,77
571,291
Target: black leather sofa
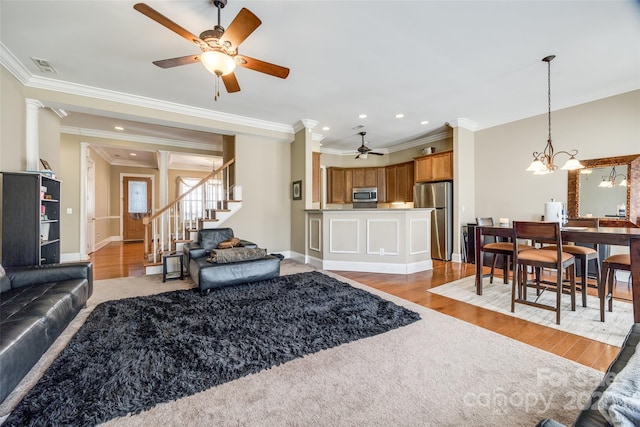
x,y
36,305
207,275
590,416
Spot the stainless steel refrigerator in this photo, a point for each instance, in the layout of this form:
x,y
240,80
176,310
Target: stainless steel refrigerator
x,y
439,196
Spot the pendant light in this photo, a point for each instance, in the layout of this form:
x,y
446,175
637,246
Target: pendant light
x,y
543,162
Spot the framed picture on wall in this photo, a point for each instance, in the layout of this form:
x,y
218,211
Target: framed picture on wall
x,y
296,190
45,164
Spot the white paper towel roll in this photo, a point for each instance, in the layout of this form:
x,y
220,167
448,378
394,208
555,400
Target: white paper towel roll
x,y
553,212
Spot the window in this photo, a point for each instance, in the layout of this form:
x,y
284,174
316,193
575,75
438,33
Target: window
x,y
201,202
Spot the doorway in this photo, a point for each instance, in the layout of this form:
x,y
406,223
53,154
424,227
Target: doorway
x,y
136,204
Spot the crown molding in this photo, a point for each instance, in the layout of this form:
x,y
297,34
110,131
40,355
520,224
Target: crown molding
x,y
135,138
464,123
420,141
20,72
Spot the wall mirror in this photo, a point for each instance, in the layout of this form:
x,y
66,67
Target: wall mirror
x,y
587,195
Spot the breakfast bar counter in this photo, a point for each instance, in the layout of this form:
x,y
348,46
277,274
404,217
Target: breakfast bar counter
x,y
394,241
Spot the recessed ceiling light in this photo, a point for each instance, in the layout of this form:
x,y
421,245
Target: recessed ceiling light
x,y
424,122
362,116
326,128
133,154
118,128
399,116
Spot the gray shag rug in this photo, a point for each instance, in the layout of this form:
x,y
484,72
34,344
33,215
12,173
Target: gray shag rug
x,y
135,353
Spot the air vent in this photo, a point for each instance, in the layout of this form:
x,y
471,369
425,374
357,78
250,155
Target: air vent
x,y
43,65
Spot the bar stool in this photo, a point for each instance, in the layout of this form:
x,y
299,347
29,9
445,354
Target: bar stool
x,y
582,253
499,248
605,287
546,233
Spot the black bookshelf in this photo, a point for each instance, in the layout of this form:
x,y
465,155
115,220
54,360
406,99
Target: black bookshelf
x,y
30,219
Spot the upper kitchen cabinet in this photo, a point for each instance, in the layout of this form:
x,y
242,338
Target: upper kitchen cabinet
x,y
342,181
399,182
434,167
365,177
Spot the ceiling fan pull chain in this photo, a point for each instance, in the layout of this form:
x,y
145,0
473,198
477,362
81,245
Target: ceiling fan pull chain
x,y
217,89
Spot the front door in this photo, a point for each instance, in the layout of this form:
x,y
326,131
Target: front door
x,y
136,205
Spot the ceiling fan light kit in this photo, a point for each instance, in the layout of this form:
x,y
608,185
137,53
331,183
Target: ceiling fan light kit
x,y
364,151
218,63
219,47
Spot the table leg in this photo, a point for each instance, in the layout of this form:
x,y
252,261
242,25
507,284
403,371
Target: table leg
x,y
479,260
634,247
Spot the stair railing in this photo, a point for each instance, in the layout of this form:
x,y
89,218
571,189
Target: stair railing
x,y
172,222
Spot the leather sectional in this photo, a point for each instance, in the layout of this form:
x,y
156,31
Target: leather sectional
x,y
36,305
590,416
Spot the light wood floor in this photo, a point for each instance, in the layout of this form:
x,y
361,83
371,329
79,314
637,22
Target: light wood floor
x,y
120,259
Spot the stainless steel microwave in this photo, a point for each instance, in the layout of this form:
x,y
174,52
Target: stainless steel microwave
x,y
368,194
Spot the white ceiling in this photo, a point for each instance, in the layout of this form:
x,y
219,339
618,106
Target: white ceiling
x,y
430,60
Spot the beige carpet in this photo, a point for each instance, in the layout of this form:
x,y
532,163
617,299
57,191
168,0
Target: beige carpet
x,y
585,321
439,371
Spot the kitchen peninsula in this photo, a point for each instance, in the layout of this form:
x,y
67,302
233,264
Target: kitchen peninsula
x,y
394,241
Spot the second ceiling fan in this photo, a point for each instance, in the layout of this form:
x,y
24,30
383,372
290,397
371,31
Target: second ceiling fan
x,y
219,46
363,150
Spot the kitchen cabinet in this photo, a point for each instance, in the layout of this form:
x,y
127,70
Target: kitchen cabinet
x,y
365,177
341,181
30,219
434,167
399,182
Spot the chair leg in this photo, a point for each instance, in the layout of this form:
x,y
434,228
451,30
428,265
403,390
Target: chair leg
x,y
612,275
584,264
602,288
505,270
516,282
493,267
572,281
559,274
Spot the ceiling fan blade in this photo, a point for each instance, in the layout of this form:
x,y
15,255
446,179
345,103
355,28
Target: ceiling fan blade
x,y
262,66
149,12
358,156
231,83
174,62
240,28
377,154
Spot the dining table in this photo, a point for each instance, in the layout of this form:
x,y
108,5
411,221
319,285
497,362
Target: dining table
x,y
617,236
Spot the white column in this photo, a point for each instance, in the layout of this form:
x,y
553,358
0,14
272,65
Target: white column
x,y
163,168
31,133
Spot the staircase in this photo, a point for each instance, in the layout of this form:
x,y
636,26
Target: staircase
x,y
208,204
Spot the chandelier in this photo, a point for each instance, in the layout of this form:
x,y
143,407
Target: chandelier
x,y
543,162
610,180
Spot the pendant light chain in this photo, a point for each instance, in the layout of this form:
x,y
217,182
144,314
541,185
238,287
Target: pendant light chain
x,y
549,94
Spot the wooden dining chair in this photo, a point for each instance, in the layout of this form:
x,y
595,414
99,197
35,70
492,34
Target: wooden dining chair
x,y
545,233
498,248
605,286
584,254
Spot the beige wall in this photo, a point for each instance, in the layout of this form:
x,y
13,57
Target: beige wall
x,y
603,128
263,172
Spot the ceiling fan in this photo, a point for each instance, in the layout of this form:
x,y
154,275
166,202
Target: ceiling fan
x,y
363,150
219,47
